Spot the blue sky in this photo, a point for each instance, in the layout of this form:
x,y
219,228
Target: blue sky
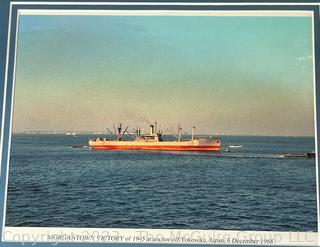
x,y
228,75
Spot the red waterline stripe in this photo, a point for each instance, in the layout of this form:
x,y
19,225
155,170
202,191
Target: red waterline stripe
x,y
174,148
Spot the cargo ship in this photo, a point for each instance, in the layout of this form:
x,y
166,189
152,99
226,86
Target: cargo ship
x,y
154,141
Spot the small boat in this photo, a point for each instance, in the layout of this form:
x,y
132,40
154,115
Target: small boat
x,y
78,146
235,146
309,155
70,133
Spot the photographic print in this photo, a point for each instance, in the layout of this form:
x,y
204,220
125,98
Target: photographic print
x,y
169,122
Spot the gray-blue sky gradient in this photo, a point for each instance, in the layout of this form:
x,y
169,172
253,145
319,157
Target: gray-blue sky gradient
x,y
227,75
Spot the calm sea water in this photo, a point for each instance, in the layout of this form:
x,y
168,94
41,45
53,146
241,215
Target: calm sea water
x,y
250,188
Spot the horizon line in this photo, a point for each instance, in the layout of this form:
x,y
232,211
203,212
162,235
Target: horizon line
x,y
44,132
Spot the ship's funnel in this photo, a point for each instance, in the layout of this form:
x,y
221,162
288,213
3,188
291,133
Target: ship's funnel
x,y
151,129
192,132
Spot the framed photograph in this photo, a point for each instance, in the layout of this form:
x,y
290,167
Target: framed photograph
x,y
157,123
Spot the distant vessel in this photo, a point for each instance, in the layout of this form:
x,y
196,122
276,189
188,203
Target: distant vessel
x,y
235,146
71,133
309,155
154,141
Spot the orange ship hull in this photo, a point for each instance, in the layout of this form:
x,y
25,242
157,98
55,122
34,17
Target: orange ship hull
x,y
192,145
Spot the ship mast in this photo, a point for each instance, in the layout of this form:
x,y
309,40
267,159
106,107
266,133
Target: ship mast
x,y
119,131
179,132
192,132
